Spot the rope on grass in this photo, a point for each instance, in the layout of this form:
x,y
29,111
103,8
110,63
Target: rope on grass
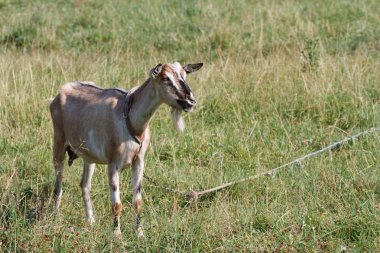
x,y
194,195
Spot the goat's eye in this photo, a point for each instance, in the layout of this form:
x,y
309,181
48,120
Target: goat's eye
x,y
166,81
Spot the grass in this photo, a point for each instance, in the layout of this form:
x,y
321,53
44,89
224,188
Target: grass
x,y
281,79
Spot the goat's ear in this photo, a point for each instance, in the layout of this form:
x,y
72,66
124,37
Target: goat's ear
x,y
154,72
190,68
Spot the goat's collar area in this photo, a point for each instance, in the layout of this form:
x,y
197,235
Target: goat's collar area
x,y
137,138
128,105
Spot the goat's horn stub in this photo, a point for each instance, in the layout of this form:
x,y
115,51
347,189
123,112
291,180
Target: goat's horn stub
x,y
156,70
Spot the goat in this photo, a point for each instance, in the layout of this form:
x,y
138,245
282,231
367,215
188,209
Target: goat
x,y
110,126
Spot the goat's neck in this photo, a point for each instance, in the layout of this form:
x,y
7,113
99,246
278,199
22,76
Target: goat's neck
x,y
145,103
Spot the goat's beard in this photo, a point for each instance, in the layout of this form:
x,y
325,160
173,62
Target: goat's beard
x,y
178,121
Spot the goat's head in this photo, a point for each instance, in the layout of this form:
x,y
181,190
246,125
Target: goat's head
x,y
170,82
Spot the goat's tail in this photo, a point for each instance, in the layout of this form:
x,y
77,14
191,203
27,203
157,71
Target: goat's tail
x,y
72,155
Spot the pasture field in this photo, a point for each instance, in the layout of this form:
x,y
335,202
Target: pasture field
x,y
281,79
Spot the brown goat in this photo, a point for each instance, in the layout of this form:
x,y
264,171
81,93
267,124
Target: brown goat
x,y
110,126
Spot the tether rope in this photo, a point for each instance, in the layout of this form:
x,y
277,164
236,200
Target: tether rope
x,y
194,195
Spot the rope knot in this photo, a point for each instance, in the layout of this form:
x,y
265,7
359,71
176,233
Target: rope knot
x,y
191,195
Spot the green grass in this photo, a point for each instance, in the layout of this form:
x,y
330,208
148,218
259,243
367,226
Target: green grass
x,y
281,79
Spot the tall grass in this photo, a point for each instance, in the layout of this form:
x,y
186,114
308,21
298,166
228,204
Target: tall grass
x,y
281,79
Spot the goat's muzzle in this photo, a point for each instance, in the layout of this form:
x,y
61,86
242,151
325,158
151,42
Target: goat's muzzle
x,y
187,104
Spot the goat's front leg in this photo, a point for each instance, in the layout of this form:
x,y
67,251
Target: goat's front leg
x,y
138,172
88,171
113,177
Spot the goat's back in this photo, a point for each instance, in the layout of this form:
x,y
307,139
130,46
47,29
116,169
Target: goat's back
x,y
90,118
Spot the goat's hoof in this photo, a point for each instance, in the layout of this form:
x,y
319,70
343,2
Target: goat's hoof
x,y
140,233
117,233
57,200
91,221
57,205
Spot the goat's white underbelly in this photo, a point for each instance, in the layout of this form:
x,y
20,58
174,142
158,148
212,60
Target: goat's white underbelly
x,y
90,148
93,150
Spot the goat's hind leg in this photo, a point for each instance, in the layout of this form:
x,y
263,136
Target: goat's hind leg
x,y
88,171
58,159
59,149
